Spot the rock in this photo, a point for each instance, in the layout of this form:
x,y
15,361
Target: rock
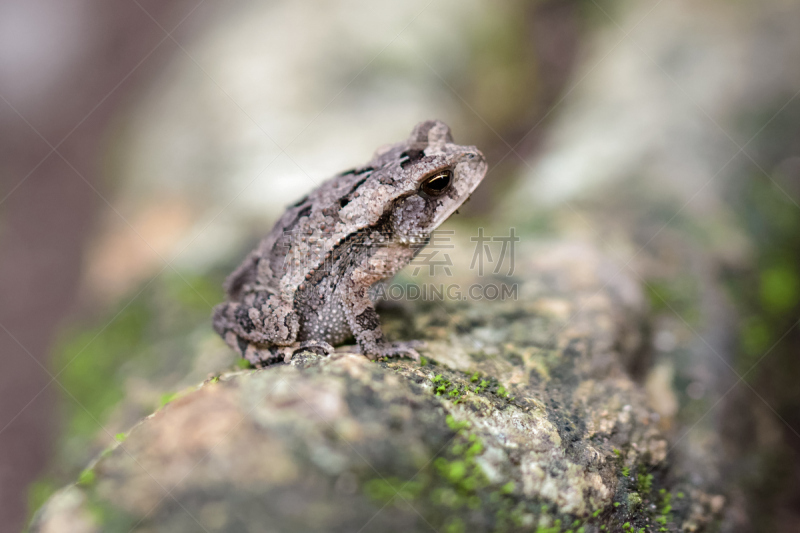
x,y
523,414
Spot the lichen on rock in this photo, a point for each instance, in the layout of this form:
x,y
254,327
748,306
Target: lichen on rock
x,y
524,415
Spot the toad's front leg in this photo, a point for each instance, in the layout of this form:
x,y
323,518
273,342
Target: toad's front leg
x,y
366,327
362,318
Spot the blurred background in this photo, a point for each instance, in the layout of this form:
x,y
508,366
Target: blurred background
x,y
145,147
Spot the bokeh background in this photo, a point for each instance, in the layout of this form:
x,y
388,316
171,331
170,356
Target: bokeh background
x,y
145,146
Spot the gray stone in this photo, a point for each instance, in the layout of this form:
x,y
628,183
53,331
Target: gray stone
x,y
523,415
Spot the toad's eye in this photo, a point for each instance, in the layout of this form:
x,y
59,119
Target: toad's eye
x,y
438,183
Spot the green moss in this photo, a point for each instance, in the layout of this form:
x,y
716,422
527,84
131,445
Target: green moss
x,y
459,482
454,424
455,481
87,477
665,508
385,490
193,292
454,471
676,295
475,449
146,338
167,398
454,525
634,500
555,528
110,518
755,336
779,288
38,492
445,387
644,481
87,364
766,291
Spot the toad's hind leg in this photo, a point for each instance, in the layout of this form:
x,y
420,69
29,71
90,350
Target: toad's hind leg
x,y
259,327
263,355
260,318
258,355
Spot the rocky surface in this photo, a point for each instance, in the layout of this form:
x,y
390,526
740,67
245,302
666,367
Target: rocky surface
x,y
524,415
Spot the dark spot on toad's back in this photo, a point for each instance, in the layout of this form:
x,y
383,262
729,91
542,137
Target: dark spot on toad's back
x,y
243,319
413,156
